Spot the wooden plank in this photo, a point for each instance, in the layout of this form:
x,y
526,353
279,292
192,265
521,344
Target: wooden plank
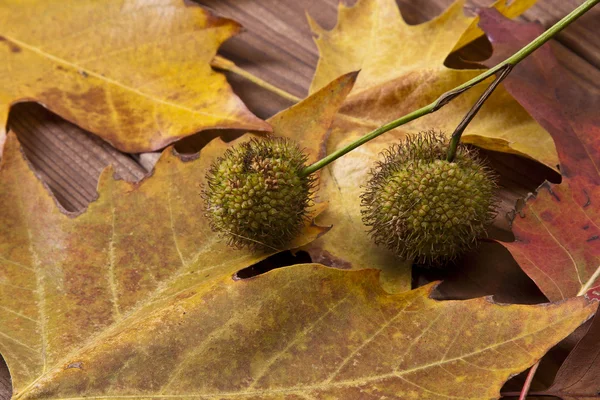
x,y
5,383
581,37
67,158
277,43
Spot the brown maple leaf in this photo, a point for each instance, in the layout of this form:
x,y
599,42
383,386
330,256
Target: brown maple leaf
x,y
579,376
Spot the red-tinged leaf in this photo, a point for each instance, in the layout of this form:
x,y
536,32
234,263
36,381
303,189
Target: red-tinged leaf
x,y
594,293
557,232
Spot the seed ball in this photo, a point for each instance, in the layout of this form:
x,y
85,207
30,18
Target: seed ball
x,y
256,196
425,208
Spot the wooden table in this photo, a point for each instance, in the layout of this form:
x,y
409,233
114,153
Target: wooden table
x,y
278,47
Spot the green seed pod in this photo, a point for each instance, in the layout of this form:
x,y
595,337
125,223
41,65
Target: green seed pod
x,y
425,208
256,196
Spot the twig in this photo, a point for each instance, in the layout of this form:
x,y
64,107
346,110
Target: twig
x,y
528,381
455,139
449,96
228,65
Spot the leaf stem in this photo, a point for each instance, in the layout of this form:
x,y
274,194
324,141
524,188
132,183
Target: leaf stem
x,y
228,65
449,96
455,139
589,283
528,380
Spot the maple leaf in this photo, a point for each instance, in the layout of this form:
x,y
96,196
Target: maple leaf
x,y
135,73
557,229
402,69
66,280
338,331
510,10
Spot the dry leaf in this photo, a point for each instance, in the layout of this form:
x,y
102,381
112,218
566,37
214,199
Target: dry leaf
x,y
557,231
402,69
135,73
309,331
510,9
66,280
579,376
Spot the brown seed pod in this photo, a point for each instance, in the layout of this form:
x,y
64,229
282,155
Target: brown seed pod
x,y
425,208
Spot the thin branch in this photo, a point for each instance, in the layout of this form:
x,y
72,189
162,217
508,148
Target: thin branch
x,y
473,111
449,96
528,381
220,62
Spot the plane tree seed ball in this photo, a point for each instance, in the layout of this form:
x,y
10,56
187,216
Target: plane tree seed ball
x,y
425,208
256,196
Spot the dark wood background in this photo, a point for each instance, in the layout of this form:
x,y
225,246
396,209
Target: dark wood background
x,y
277,46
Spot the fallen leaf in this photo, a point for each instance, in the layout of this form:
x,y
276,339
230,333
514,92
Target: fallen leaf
x,y
338,331
67,280
510,9
135,73
308,122
579,376
402,69
557,231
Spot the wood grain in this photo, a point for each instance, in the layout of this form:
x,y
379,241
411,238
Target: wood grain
x,y
67,158
277,46
581,38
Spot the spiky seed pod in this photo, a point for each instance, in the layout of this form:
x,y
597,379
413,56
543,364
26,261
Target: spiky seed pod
x,y
425,208
256,196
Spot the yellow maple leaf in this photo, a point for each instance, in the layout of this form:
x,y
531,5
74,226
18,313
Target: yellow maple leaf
x,y
135,73
308,331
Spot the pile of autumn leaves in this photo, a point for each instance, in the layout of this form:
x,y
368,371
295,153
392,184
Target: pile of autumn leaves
x,y
135,298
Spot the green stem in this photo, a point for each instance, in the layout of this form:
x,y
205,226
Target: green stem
x,y
449,96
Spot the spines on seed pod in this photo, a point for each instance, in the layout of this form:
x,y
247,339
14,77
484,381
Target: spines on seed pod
x,y
256,195
424,207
